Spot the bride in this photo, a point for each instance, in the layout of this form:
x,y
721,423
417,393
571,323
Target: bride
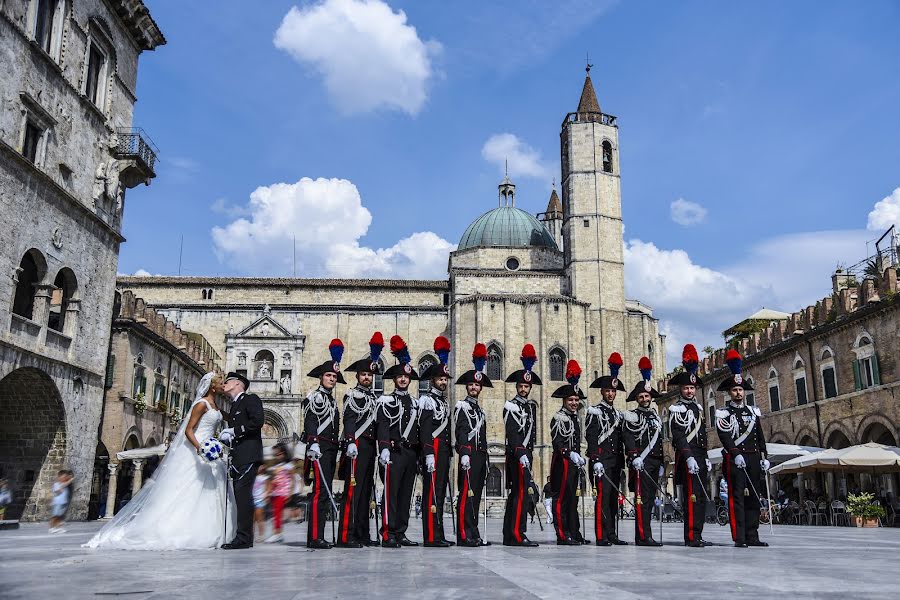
x,y
183,505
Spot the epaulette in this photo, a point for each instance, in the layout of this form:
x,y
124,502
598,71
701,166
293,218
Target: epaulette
x,y
384,398
426,402
512,407
561,416
721,413
593,410
631,416
677,408
756,410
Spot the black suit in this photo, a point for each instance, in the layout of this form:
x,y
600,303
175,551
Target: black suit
x,y
246,418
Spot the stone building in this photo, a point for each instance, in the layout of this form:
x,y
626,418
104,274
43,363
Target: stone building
x,y
67,156
152,372
556,283
826,376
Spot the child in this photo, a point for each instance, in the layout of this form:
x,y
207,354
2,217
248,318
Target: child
x,y
281,488
260,499
60,501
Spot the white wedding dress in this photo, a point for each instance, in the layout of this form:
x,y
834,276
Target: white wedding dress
x,y
183,505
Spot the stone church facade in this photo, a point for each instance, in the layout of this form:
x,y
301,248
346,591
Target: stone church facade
x,y
67,156
555,281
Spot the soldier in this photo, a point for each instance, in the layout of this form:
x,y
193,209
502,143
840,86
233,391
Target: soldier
x,y
603,433
567,461
397,425
320,434
692,466
743,456
434,430
643,445
471,445
358,466
519,419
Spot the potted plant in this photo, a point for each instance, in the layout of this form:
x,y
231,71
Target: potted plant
x,y
139,404
864,509
162,406
174,420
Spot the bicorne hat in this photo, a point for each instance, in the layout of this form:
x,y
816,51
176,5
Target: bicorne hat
x,y
439,369
476,375
573,374
370,364
336,348
691,362
646,368
526,375
734,361
401,353
611,381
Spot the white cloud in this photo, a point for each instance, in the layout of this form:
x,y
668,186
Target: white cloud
x,y
885,213
687,213
141,273
222,206
367,54
327,219
523,160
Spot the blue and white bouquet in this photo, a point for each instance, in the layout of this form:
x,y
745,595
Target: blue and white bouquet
x,y
212,449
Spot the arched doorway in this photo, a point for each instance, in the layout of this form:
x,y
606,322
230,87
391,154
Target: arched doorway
x,y
99,483
878,433
883,484
32,440
125,474
274,428
838,440
495,482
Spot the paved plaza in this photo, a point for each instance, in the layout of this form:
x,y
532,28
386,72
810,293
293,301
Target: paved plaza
x,y
803,562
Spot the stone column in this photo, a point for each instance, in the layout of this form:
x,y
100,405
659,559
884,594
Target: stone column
x,y
41,308
111,490
138,475
70,324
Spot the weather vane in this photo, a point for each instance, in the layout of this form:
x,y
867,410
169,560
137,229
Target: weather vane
x,y
587,59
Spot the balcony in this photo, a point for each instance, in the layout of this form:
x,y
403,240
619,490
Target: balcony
x,y
138,150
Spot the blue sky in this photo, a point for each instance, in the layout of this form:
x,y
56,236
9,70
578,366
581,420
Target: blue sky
x,y
755,139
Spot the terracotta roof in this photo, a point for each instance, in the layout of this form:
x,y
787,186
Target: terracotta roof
x,y
588,102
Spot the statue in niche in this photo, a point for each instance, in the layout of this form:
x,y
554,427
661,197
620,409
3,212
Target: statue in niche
x,y
286,360
285,384
264,371
242,360
265,329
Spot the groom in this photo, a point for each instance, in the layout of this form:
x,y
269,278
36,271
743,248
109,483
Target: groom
x,y
244,436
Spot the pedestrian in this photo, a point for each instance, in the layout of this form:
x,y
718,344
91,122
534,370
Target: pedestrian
x,y
565,430
548,501
692,465
59,502
260,502
643,444
519,420
606,451
5,498
743,455
281,487
321,428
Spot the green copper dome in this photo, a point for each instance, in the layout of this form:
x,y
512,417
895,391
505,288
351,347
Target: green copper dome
x,y
506,226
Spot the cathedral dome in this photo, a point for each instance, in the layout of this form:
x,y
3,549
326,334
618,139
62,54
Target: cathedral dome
x,y
506,226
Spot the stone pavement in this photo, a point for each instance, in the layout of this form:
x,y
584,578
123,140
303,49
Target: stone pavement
x,y
803,562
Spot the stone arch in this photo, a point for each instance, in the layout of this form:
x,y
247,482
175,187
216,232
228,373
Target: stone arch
x,y
274,427
838,438
151,441
607,151
557,363
32,271
875,427
99,481
778,437
806,437
132,439
32,440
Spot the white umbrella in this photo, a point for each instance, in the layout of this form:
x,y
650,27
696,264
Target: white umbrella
x,y
777,453
868,458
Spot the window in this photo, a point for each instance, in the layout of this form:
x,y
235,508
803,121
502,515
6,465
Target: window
x,y
110,371
159,393
494,363
203,294
829,376
495,482
424,365
586,222
378,380
48,25
774,393
139,385
749,395
512,263
65,286
865,367
649,349
32,141
31,271
557,364
592,340
800,380
176,403
711,403
607,157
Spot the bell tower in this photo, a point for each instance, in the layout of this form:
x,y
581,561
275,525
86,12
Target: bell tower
x,y
592,220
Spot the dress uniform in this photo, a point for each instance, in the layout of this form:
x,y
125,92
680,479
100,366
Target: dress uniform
x,y
567,462
435,431
643,444
358,466
606,453
472,447
743,456
321,428
397,426
688,428
519,421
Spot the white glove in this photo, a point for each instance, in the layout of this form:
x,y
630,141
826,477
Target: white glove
x,y
598,469
352,450
662,471
693,467
708,466
764,464
739,461
523,460
314,452
429,462
227,435
576,458
465,462
385,457
637,464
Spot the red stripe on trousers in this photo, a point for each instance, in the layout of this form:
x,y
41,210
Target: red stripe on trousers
x,y
559,500
348,504
315,515
431,515
639,513
598,511
516,531
384,496
690,500
463,498
731,514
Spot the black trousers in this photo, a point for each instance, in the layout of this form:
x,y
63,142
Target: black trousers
x,y
645,493
565,503
354,520
518,504
320,503
243,477
694,501
434,493
468,506
606,502
399,478
743,503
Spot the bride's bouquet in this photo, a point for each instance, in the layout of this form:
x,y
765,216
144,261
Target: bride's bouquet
x,y
211,449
